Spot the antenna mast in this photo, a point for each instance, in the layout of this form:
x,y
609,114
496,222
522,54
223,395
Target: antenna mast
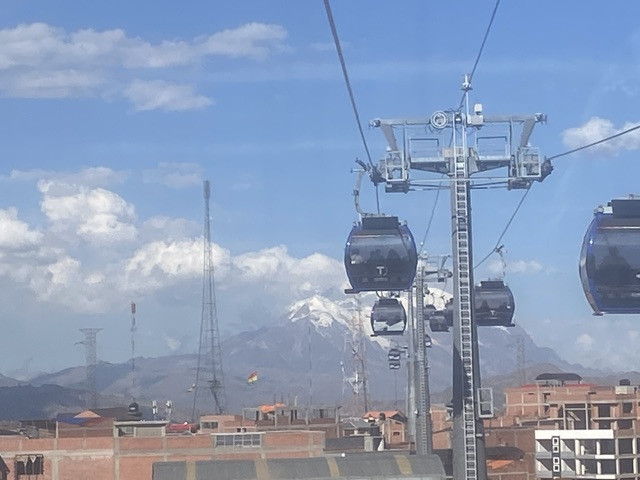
x,y
209,375
91,353
133,348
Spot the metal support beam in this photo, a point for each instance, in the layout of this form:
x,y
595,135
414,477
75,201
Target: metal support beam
x,y
423,402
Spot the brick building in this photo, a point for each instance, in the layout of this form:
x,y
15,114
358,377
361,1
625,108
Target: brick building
x,y
127,449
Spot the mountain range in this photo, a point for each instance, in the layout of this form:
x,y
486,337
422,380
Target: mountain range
x,y
305,357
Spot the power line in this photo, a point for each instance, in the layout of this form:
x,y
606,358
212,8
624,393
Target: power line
x,y
593,144
504,231
484,41
345,73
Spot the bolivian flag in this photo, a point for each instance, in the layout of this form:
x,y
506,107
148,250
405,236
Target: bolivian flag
x,y
253,378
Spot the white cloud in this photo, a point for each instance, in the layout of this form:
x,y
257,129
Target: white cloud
x,y
16,234
173,344
161,95
168,228
52,84
38,44
159,264
87,176
256,40
273,269
598,128
516,267
95,215
585,341
175,174
40,60
92,255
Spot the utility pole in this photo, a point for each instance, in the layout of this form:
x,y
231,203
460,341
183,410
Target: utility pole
x,y
91,354
209,373
470,152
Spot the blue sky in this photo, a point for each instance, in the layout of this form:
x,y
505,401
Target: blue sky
x,y
115,112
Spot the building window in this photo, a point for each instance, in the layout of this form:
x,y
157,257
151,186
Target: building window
x,y
627,407
239,440
604,411
29,465
624,425
125,431
210,425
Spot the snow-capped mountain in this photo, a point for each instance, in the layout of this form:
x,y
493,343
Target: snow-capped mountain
x,y
306,356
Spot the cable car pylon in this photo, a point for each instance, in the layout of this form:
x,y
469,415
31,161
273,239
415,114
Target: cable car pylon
x,y
470,153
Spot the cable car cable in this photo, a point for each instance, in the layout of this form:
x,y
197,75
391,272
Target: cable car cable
x,y
433,212
515,212
484,41
569,152
593,144
345,73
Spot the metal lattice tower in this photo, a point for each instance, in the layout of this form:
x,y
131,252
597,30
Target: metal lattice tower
x,y
420,370
209,374
355,347
91,353
477,145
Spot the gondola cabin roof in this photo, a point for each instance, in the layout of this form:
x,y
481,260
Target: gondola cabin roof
x,y
610,261
625,207
491,285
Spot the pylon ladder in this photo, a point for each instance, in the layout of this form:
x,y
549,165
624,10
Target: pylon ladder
x,y
424,443
461,185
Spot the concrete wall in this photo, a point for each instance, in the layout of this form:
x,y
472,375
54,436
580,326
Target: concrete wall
x,y
372,466
132,458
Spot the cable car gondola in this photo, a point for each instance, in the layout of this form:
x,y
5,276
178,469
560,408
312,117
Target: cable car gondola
x,y
494,304
388,317
380,255
436,318
394,364
394,354
610,258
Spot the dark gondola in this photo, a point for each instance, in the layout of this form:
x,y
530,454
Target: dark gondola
x,y
610,258
436,319
380,255
494,304
394,354
388,317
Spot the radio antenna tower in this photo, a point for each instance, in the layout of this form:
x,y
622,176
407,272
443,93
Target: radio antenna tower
x,y
209,376
133,348
91,353
355,349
